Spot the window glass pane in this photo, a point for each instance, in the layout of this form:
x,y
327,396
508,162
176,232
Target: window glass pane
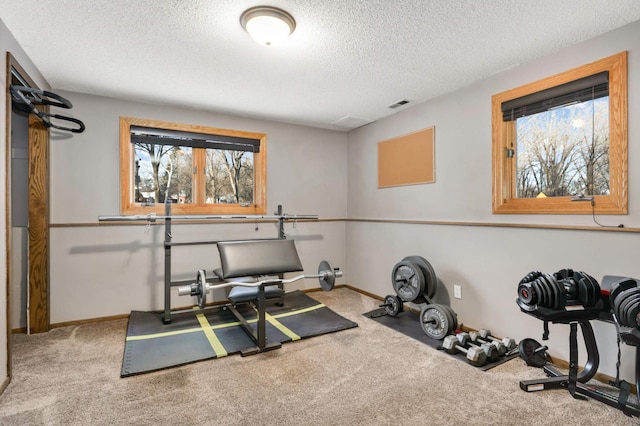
x,y
161,172
564,151
229,177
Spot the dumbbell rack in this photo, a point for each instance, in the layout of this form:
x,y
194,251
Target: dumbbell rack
x,y
575,381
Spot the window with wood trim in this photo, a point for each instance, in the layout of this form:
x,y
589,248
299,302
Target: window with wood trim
x,y
200,170
563,138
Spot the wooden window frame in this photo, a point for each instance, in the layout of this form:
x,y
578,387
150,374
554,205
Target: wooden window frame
x,y
503,133
198,207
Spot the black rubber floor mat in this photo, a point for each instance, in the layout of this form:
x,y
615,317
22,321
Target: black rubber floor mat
x,y
151,345
407,324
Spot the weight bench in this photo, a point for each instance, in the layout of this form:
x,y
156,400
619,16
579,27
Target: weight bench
x,y
254,270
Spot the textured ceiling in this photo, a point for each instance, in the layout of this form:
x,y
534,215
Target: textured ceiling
x,y
345,63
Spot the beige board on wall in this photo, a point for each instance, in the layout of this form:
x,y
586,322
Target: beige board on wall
x,y
407,160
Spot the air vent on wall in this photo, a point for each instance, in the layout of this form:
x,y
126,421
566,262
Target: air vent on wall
x,y
398,104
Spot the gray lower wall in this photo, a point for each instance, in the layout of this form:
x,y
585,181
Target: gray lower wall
x,y
487,262
111,270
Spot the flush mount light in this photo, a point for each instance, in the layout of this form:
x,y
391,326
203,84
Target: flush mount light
x,y
268,26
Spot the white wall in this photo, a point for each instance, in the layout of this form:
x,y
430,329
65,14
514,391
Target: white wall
x,y
487,262
98,271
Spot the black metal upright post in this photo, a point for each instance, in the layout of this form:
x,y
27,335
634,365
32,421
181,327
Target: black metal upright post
x,y
167,264
280,223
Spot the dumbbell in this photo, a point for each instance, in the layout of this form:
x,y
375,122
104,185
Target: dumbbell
x,y
500,347
475,355
489,349
508,342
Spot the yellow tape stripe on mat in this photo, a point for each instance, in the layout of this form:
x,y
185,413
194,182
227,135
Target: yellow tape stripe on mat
x,y
177,332
211,336
217,326
277,324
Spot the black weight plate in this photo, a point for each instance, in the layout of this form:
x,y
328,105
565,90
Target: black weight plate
x,y
560,298
553,291
619,287
445,309
544,294
623,306
596,289
202,282
527,349
553,295
431,280
622,309
632,312
434,322
407,280
393,305
584,291
577,277
537,292
540,292
621,300
454,318
590,297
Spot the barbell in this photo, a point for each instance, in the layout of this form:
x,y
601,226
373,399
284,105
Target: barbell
x,y
326,275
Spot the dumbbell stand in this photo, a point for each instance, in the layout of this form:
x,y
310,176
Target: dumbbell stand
x,y
556,379
575,380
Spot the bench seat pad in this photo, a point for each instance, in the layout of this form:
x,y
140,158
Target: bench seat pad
x,y
258,257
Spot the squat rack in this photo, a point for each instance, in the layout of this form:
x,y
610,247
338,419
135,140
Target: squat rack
x,y
168,243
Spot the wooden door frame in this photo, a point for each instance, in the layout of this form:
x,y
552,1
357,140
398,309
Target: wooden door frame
x,y
38,263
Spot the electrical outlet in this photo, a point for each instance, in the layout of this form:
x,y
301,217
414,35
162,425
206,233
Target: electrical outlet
x,y
457,292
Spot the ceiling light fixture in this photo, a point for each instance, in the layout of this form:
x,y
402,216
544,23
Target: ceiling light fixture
x,y
268,26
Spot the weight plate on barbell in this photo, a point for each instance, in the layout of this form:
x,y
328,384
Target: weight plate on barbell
x,y
202,283
532,353
430,278
392,305
408,280
434,322
327,275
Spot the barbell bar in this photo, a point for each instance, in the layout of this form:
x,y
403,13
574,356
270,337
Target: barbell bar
x,y
326,275
152,217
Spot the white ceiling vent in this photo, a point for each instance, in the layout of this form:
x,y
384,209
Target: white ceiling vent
x,y
398,104
350,123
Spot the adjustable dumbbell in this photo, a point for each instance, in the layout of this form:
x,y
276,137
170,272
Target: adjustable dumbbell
x,y
501,348
508,342
475,355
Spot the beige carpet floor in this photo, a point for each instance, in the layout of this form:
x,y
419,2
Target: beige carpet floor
x,y
369,375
